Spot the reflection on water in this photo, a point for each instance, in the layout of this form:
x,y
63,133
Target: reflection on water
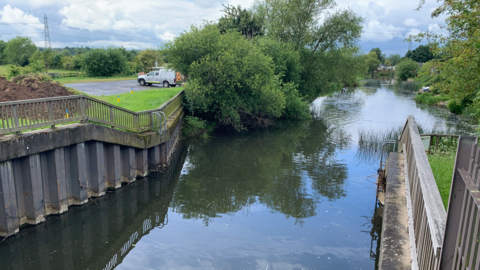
x,y
291,197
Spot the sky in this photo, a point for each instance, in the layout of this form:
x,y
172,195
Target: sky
x,y
149,23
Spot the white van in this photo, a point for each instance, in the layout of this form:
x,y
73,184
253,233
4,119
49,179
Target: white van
x,y
160,76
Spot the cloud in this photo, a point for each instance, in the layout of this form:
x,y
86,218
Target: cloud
x,y
381,32
411,22
376,9
436,29
413,32
20,22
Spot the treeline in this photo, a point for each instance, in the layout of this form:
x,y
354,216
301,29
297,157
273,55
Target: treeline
x,y
254,66
23,56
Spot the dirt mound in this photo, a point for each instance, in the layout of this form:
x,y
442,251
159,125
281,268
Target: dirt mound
x,y
30,87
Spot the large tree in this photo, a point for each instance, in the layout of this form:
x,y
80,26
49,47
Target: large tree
x,y
372,62
104,62
380,56
147,59
320,34
248,23
460,50
19,49
421,54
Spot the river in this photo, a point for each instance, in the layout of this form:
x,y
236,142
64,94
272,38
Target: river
x,y
296,196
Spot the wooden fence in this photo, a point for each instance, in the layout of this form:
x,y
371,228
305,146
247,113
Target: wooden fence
x,y
17,116
441,240
461,242
426,212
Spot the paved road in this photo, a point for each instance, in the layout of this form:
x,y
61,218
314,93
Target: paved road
x,y
110,88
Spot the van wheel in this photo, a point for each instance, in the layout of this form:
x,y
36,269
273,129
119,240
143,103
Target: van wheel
x,y
142,82
166,84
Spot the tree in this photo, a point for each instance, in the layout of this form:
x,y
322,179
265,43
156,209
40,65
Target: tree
x,y
394,59
422,54
406,69
459,66
372,62
147,58
246,22
3,58
19,49
380,56
104,62
230,80
319,34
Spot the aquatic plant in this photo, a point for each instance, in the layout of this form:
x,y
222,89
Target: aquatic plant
x,y
410,86
372,83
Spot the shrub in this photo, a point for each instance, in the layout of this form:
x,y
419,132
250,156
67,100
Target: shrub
x,y
455,107
13,71
104,62
406,69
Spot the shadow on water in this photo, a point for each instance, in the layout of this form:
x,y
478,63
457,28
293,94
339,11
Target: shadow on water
x,y
289,168
95,237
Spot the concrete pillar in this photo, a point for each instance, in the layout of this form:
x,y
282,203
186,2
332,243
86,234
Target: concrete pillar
x,y
76,174
29,188
142,162
153,158
113,162
9,223
54,181
95,168
129,171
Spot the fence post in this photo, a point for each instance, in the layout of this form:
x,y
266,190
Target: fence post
x,y
112,120
83,112
15,115
51,113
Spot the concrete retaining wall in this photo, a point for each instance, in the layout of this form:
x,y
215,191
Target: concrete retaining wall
x,y
44,172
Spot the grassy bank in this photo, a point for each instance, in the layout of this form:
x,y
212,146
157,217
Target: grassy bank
x,y
4,70
442,168
94,79
430,99
142,100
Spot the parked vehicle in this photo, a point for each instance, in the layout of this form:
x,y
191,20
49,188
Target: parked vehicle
x,y
162,76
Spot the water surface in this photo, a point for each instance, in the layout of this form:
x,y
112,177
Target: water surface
x,y
295,196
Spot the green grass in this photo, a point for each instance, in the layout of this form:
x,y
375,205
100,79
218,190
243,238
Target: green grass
x,y
442,168
94,79
430,99
4,70
142,100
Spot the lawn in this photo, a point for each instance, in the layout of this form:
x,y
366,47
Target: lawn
x,y
442,167
142,100
94,79
4,70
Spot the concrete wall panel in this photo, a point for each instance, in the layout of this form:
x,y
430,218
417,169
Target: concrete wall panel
x,y
9,223
129,171
113,162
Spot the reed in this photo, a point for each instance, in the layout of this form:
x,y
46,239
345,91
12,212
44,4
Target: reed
x,y
410,86
372,83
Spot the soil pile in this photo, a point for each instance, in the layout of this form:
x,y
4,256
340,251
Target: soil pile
x,y
30,87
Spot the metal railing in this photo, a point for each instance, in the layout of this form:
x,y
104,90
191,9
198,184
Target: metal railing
x,y
18,116
428,212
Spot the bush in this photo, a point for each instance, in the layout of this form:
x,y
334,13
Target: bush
x,y
455,107
232,81
104,62
406,69
13,71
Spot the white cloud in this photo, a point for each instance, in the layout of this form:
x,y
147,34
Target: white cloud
x,y
167,36
436,29
381,32
413,32
20,21
410,22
